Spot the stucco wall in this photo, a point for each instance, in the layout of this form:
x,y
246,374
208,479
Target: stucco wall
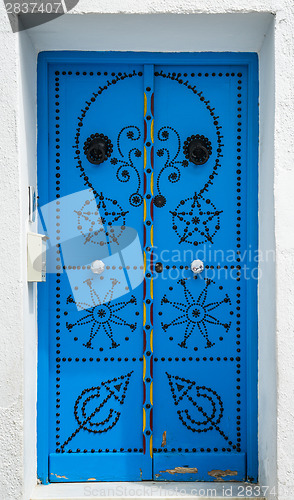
x,y
11,274
267,398
17,152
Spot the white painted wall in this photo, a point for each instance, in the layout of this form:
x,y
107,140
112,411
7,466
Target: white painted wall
x,y
267,396
27,159
11,273
150,25
168,32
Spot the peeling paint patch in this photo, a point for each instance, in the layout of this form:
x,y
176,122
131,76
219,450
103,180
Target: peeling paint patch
x,y
179,470
163,444
219,474
92,479
58,477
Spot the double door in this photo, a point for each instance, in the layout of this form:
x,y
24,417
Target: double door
x,y
147,321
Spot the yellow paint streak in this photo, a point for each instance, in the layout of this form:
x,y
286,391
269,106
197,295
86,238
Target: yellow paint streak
x,y
92,479
145,104
144,314
151,288
152,131
151,393
151,183
144,256
145,157
145,210
151,446
151,340
144,419
151,235
144,367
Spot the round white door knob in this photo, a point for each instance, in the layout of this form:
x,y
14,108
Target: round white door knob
x,y
197,266
97,266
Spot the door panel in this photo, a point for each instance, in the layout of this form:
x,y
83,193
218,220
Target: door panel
x,y
96,357
200,321
146,366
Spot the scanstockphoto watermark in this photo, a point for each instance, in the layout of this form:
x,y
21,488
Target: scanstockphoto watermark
x,y
197,490
209,253
148,491
28,14
219,264
211,272
101,255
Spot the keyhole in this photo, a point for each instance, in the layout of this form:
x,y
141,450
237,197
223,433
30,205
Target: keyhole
x,y
158,267
198,153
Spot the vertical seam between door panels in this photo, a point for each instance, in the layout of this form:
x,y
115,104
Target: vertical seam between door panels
x,y
148,262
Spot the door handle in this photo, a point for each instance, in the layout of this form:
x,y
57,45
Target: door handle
x,y
97,267
197,266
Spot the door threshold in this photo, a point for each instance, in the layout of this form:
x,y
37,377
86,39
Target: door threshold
x,y
145,490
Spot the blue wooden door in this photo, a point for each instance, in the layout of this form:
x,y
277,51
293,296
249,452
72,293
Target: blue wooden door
x,y
146,369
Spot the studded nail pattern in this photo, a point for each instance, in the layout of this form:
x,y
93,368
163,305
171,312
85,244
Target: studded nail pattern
x,y
200,319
